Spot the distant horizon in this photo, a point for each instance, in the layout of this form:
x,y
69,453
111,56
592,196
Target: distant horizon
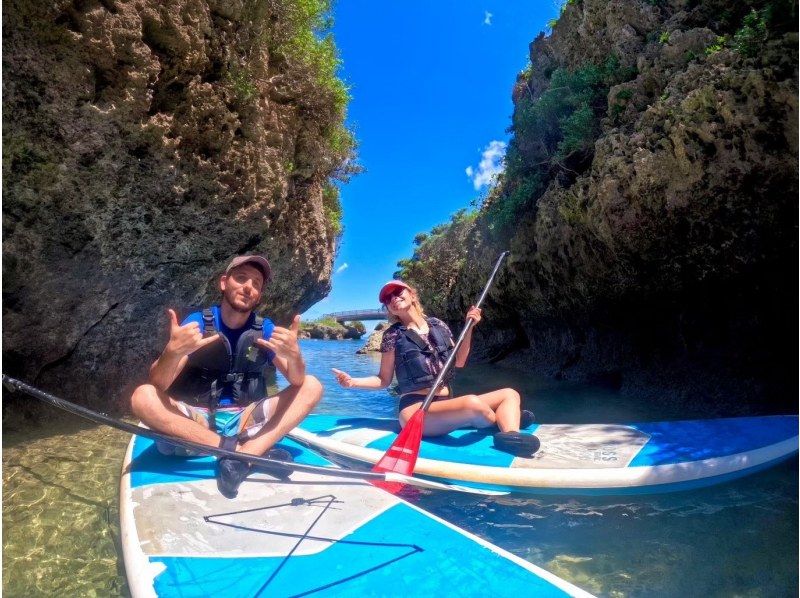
x,y
431,102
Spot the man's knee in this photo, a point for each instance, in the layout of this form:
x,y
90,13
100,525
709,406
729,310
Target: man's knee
x,y
512,395
313,389
142,399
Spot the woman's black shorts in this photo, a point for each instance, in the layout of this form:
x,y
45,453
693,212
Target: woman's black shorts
x,y
408,400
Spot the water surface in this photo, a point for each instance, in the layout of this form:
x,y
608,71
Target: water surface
x,y
60,517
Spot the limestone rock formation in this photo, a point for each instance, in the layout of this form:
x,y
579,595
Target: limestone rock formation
x,y
655,249
332,331
144,145
373,343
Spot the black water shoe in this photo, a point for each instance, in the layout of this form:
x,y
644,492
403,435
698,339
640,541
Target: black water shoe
x,y
282,472
230,475
519,445
526,418
230,472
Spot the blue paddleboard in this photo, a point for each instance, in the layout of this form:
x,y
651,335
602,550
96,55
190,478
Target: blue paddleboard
x,y
313,534
579,458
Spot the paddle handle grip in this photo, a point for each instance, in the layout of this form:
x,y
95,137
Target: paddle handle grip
x,y
470,323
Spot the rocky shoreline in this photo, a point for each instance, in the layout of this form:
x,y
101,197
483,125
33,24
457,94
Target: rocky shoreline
x,y
332,330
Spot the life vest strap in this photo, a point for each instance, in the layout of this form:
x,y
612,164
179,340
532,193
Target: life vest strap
x,y
415,338
209,327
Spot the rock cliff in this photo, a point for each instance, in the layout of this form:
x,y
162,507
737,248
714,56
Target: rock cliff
x,y
144,145
649,200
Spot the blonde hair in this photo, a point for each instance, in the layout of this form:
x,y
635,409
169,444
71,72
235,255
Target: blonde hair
x,y
393,319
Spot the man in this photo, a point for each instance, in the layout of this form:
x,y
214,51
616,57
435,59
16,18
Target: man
x,y
217,358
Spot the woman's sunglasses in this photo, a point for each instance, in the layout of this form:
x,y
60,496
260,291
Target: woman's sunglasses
x,y
392,295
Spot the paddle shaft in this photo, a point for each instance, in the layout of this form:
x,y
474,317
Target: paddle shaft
x,y
101,418
470,323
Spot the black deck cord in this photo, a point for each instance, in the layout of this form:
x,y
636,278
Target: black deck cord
x,y
13,384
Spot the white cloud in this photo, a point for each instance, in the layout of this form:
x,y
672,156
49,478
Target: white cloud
x,y
342,268
490,166
487,17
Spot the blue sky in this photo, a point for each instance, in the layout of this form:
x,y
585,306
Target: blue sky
x,y
431,86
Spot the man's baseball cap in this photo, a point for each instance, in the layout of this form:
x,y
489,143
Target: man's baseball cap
x,y
389,288
256,261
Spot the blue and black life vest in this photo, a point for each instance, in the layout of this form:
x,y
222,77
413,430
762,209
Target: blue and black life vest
x,y
410,365
217,368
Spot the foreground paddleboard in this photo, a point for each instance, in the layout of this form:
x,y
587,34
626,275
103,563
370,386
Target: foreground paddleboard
x,y
576,459
312,535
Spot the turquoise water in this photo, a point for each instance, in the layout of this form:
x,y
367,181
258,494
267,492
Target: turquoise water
x,y
60,517
735,539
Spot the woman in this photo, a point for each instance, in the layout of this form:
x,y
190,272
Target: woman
x,y
415,349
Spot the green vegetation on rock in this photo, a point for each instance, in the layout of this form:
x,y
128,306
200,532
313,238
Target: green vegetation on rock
x,y
332,206
329,328
748,33
325,322
553,134
647,200
437,259
305,37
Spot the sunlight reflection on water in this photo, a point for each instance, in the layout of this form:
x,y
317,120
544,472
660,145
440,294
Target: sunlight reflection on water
x,y
60,492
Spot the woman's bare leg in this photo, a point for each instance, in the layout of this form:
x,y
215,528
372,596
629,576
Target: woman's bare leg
x,y
506,406
501,407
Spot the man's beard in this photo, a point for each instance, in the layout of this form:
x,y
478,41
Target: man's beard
x,y
241,310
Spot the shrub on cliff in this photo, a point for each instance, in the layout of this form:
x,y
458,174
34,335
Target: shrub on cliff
x,y
333,208
437,260
746,28
553,135
358,326
305,39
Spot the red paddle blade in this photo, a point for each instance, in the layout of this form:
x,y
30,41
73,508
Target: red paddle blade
x,y
402,455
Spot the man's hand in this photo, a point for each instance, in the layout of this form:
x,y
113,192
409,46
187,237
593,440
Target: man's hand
x,y
184,340
283,341
343,378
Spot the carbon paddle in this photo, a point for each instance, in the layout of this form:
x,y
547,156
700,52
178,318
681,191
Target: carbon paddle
x,y
14,385
402,455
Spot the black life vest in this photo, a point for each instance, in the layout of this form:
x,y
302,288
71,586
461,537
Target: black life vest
x,y
218,367
410,365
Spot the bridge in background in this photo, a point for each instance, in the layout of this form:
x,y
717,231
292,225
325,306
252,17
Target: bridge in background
x,y
378,313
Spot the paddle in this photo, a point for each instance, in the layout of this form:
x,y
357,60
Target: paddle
x,y
13,385
402,455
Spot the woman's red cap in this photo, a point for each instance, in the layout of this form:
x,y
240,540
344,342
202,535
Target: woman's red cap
x,y
389,287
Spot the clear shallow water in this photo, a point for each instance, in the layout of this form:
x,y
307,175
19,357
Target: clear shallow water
x,y
60,518
60,513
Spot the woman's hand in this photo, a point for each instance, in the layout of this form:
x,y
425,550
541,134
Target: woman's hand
x,y
343,378
474,313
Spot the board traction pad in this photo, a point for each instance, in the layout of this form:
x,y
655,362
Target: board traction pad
x,y
590,446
